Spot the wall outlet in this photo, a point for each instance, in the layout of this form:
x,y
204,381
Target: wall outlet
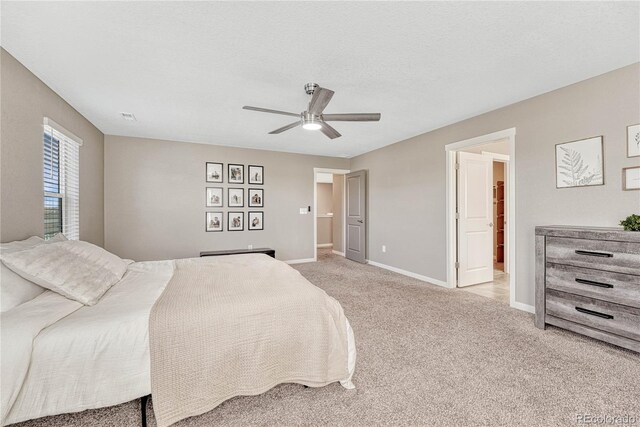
x,y
249,247
384,248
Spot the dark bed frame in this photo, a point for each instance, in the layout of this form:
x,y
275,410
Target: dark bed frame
x,y
143,408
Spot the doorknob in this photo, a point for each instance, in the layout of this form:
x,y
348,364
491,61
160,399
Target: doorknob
x,y
491,224
360,221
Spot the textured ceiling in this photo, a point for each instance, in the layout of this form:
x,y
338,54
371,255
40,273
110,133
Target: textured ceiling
x,y
185,69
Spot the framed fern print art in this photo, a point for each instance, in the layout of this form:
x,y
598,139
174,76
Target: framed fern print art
x,y
580,163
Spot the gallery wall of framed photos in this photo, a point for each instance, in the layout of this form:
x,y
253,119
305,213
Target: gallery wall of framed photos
x,y
233,189
581,163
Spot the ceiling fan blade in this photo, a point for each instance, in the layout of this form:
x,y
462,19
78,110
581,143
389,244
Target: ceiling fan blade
x,y
319,100
351,117
267,110
283,128
329,131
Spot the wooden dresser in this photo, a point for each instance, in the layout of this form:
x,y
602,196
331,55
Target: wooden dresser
x,y
588,281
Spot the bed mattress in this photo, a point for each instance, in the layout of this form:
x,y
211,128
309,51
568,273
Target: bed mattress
x,y
97,356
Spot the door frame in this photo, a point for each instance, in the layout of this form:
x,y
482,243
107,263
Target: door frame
x,y
451,191
315,207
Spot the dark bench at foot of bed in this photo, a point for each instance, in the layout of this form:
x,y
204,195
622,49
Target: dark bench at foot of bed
x,y
266,251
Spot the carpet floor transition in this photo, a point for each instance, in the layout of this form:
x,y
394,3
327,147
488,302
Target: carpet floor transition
x,y
430,356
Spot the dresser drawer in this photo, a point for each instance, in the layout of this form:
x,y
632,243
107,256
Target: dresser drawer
x,y
614,318
621,257
605,285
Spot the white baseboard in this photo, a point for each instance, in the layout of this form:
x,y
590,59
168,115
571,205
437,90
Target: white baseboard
x,y
410,274
524,307
338,253
324,245
300,261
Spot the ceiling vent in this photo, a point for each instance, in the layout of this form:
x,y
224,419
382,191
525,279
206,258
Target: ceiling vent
x,y
128,116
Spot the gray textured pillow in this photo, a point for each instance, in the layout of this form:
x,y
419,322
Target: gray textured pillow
x,y
77,270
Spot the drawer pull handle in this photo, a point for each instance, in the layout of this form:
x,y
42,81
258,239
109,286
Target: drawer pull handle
x,y
594,313
591,253
592,283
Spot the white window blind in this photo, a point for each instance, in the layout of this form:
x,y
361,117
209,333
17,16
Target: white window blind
x,y
61,173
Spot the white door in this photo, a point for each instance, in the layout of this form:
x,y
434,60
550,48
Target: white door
x,y
475,219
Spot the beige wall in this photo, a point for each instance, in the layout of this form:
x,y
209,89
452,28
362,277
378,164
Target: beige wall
x,y
325,230
325,206
407,179
25,101
325,198
155,191
338,212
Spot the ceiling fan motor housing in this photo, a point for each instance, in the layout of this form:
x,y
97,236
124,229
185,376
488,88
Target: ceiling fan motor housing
x,y
310,88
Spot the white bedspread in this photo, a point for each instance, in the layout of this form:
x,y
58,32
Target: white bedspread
x,y
20,326
94,357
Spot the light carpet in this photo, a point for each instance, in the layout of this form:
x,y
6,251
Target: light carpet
x,y
430,356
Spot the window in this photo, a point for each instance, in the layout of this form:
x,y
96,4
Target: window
x,y
61,173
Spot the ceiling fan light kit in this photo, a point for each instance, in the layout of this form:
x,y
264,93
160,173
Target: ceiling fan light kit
x,y
310,122
312,118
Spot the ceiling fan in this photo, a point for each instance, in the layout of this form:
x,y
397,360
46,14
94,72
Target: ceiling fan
x,y
313,118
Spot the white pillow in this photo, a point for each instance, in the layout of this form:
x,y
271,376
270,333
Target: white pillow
x,y
77,270
15,290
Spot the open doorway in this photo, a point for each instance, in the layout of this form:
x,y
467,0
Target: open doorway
x,y
480,209
329,203
494,156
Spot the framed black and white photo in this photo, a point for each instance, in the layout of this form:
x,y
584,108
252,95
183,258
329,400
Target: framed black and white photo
x,y
235,221
255,220
213,221
633,141
236,174
256,175
631,178
214,172
236,198
580,163
214,197
256,198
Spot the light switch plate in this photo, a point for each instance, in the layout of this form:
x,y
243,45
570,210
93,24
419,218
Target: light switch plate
x,y
303,211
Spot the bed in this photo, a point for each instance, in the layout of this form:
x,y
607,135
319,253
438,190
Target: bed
x,y
84,357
